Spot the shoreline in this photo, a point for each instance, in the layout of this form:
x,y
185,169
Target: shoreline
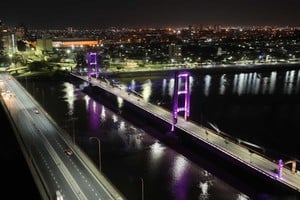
x,y
130,72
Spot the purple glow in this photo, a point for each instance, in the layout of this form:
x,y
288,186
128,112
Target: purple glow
x,y
93,67
94,112
185,77
182,187
280,165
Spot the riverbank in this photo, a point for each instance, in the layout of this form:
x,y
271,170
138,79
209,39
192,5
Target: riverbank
x,y
158,71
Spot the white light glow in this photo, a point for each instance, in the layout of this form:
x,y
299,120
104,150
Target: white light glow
x,y
298,82
69,96
191,79
156,150
103,113
146,90
241,83
272,82
207,80
204,187
122,126
179,167
242,197
288,82
171,87
164,86
120,102
115,118
223,82
132,85
86,98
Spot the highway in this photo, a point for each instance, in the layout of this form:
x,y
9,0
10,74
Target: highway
x,y
44,144
229,147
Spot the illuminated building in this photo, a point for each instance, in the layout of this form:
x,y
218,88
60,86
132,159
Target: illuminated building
x,y
74,42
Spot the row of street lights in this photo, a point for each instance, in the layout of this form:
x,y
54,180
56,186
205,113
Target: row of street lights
x,y
99,153
90,138
99,150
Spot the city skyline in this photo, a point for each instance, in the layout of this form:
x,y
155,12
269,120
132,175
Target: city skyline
x,y
152,13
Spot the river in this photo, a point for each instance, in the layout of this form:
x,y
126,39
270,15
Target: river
x,y
260,108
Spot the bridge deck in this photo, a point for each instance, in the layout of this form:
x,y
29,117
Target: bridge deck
x,y
233,149
44,146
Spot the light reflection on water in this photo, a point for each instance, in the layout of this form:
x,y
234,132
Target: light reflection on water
x,y
146,90
252,83
207,80
261,85
179,173
141,155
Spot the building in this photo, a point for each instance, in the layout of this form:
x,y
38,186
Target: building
x,y
44,45
75,42
175,52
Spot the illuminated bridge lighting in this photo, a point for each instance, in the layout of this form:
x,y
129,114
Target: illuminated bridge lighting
x,y
280,165
93,67
182,77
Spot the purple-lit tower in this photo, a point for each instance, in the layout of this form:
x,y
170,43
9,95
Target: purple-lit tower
x,y
92,65
280,166
181,88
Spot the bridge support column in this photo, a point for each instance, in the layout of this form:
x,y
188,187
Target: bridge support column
x,y
181,88
280,166
92,65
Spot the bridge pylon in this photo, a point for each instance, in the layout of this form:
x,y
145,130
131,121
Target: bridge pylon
x,y
293,167
92,65
181,88
280,167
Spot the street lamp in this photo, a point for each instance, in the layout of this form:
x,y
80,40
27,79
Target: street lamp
x,y
99,150
73,127
142,180
251,152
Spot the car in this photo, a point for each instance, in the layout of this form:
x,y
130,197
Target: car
x,y
36,111
69,152
59,196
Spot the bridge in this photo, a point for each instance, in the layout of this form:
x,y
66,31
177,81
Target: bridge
x,y
44,145
59,168
235,150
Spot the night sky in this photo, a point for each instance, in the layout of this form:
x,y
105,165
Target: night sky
x,y
148,13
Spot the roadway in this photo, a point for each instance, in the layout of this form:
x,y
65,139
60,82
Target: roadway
x,y
44,146
232,148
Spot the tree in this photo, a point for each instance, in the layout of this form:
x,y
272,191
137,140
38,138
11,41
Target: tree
x,y
21,45
80,59
37,65
1,43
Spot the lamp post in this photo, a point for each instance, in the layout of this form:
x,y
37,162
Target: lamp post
x,y
26,84
99,150
251,152
142,181
73,128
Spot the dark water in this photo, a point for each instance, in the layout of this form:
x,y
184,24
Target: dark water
x,y
260,108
